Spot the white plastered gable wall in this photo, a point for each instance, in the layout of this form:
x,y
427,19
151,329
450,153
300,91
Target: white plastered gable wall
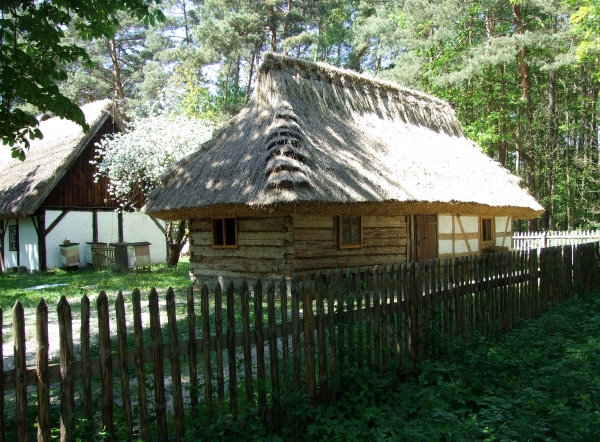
x,y
460,235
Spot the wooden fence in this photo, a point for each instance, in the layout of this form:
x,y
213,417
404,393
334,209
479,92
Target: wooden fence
x,y
250,350
540,240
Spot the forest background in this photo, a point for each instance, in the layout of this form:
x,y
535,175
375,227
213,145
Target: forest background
x,y
523,76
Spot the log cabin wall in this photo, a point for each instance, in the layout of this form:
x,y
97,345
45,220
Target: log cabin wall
x,y
385,240
264,246
274,246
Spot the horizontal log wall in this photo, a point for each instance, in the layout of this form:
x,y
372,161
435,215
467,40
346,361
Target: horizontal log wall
x,y
316,245
264,247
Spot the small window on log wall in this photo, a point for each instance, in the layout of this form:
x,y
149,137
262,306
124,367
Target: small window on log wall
x,y
487,230
13,239
350,232
224,232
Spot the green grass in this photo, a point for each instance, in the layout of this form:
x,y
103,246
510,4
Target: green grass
x,y
87,281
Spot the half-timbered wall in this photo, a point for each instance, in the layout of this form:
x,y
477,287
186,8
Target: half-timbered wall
x,y
458,235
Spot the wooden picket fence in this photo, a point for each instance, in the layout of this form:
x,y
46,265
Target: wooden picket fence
x,y
540,240
379,318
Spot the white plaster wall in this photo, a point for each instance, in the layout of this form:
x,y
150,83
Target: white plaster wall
x,y
501,225
460,246
139,227
445,246
444,225
469,223
75,226
108,227
28,244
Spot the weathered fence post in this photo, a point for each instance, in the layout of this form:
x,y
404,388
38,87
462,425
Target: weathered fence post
x,y
176,386
20,366
43,383
122,342
160,402
67,382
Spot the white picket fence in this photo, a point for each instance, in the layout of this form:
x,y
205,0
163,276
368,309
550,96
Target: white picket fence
x,y
539,240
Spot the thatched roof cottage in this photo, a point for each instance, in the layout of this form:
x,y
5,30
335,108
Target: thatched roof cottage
x,y
327,168
52,196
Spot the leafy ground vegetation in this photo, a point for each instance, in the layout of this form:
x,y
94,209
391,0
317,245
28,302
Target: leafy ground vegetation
x,y
540,382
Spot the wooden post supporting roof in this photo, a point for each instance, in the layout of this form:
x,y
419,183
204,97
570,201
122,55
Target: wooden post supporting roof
x,y
41,232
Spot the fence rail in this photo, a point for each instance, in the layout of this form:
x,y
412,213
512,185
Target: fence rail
x,y
540,240
249,348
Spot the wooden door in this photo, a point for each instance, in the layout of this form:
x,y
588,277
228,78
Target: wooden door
x,y
425,237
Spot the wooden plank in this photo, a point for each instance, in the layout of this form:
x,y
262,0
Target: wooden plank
x,y
176,387
206,356
359,308
393,235
2,428
237,255
331,286
273,356
160,402
261,373
309,339
313,234
139,364
283,297
313,222
296,356
355,256
219,339
401,270
193,355
245,298
321,339
43,386
384,316
349,301
86,372
376,318
279,224
122,345
106,371
369,317
387,244
19,370
339,319
384,221
231,357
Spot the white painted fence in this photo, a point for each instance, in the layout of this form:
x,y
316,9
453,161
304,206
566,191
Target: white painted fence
x,y
539,240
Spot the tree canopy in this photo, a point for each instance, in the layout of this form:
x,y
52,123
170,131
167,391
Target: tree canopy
x,y
33,54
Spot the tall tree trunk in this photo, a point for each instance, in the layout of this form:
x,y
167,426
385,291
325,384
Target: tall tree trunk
x,y
116,71
526,137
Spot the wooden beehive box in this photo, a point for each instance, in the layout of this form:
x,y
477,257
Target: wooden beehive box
x,y
69,254
141,254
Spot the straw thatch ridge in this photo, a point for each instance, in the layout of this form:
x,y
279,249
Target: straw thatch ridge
x,y
24,185
319,140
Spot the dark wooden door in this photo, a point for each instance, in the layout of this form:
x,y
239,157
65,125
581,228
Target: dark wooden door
x,y
425,237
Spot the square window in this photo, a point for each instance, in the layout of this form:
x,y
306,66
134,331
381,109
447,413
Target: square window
x,y
350,232
224,232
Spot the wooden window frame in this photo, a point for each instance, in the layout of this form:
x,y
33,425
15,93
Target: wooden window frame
x,y
360,230
492,241
212,228
13,230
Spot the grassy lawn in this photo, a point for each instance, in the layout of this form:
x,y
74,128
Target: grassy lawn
x,y
86,281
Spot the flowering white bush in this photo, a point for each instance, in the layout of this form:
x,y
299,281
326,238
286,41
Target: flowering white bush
x,y
134,160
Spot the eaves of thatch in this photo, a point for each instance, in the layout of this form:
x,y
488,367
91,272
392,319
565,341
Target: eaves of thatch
x,y
319,140
24,185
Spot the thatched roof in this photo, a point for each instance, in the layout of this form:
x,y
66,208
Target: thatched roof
x,y
24,185
319,140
